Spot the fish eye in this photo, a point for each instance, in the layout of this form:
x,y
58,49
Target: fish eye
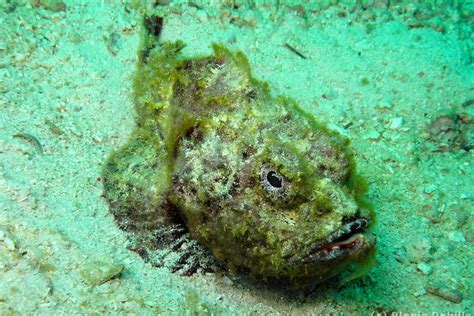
x,y
273,182
274,179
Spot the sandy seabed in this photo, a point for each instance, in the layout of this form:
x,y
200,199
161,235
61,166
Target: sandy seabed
x,y
378,74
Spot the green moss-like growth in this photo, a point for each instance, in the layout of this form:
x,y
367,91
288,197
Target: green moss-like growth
x,y
255,179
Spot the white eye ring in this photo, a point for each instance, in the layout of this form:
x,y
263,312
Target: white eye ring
x,y
273,182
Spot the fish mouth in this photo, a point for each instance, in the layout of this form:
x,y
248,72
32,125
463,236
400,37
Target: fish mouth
x,y
349,239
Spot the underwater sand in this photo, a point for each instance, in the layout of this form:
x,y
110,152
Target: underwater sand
x,y
378,74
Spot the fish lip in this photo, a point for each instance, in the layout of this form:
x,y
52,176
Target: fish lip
x,y
358,225
354,231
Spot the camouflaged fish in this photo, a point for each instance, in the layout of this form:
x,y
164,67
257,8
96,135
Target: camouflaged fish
x,y
216,162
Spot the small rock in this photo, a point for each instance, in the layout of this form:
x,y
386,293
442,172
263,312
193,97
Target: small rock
x,y
366,4
225,14
317,5
456,236
467,136
75,37
19,58
444,131
51,5
419,250
7,239
341,130
249,18
386,102
227,281
234,16
425,268
113,43
401,255
349,5
430,188
150,304
100,271
423,14
201,15
419,293
380,4
372,135
448,294
396,123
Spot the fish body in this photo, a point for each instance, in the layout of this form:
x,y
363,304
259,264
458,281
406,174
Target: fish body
x,y
253,178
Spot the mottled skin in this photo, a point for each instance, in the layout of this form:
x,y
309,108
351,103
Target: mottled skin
x,y
253,178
